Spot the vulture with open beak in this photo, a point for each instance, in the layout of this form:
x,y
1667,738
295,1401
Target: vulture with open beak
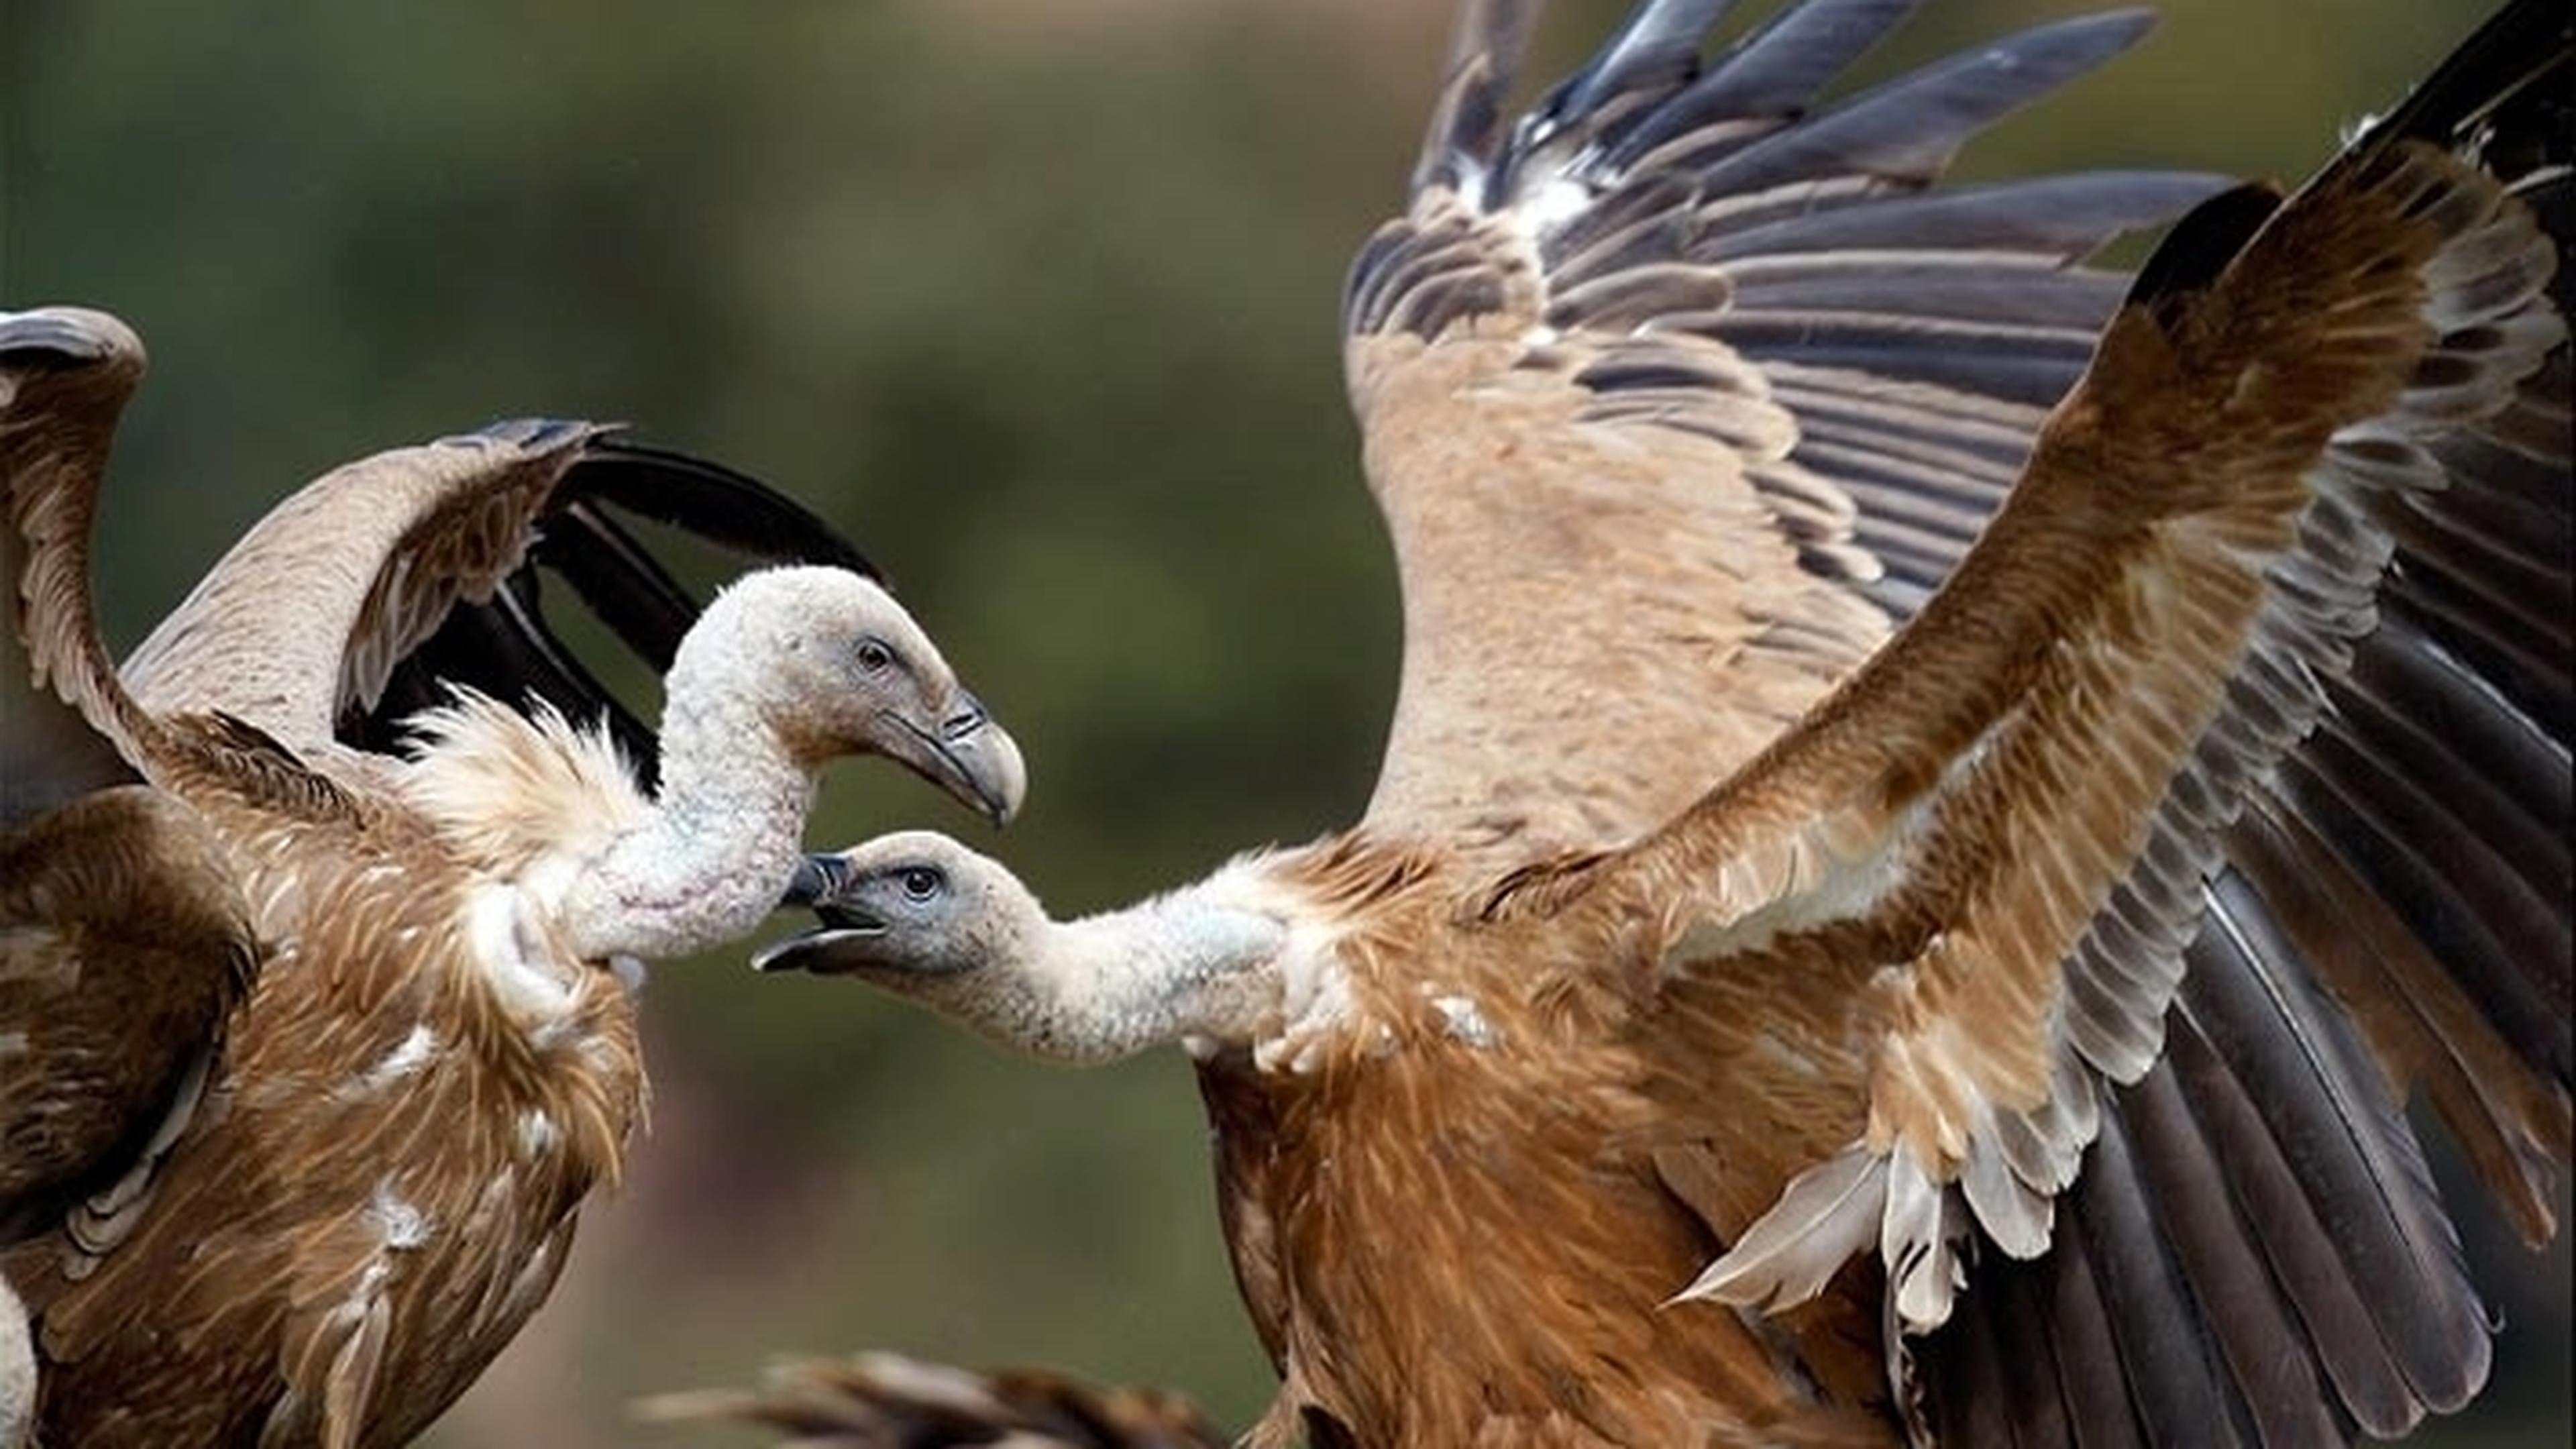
x,y
438,1061
1937,814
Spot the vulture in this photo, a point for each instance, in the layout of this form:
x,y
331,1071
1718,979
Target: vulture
x,y
1940,805
437,1061
99,869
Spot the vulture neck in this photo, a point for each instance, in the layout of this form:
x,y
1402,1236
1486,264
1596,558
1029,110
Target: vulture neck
x,y
722,839
1179,968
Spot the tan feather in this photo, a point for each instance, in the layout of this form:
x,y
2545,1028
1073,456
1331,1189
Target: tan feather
x,y
501,787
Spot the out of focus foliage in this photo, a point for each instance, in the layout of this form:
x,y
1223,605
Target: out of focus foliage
x,y
1037,297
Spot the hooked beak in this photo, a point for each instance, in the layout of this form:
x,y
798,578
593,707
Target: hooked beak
x,y
970,757
818,880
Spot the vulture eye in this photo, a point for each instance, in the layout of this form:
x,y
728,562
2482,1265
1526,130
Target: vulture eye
x,y
874,655
921,883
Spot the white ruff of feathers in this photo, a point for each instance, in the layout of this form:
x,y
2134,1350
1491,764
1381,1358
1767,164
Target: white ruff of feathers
x,y
555,810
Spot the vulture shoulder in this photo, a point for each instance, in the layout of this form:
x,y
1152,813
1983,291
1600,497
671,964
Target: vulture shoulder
x,y
124,945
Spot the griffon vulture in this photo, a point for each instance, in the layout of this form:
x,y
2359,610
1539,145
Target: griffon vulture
x,y
124,941
438,1061
1823,963
103,879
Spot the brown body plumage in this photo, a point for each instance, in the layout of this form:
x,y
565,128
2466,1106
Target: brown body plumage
x,y
439,1062
127,944
1521,1073
473,1141
1836,954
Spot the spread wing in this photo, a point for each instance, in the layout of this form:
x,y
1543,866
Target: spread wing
x,y
360,599
2220,797
303,619
508,647
354,602
1683,390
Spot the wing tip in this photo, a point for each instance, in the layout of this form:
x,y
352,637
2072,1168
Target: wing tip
x,y
534,434
2506,57
63,334
1468,122
720,504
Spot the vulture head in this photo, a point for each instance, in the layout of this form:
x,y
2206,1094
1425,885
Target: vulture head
x,y
908,910
921,916
785,671
833,666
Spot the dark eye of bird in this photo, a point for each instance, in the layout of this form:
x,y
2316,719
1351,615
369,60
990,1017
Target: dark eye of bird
x,y
874,655
921,882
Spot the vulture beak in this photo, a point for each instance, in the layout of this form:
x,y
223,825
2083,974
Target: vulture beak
x,y
810,952
818,879
969,756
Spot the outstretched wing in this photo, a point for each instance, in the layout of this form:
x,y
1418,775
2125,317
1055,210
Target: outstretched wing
x,y
509,647
303,619
353,602
1681,391
2221,796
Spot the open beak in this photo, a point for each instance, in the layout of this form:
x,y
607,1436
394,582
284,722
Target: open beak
x,y
810,952
818,879
970,757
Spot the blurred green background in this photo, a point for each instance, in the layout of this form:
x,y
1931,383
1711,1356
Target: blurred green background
x,y
1037,299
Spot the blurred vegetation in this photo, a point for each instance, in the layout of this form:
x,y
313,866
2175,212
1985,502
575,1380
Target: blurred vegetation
x,y
1038,299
